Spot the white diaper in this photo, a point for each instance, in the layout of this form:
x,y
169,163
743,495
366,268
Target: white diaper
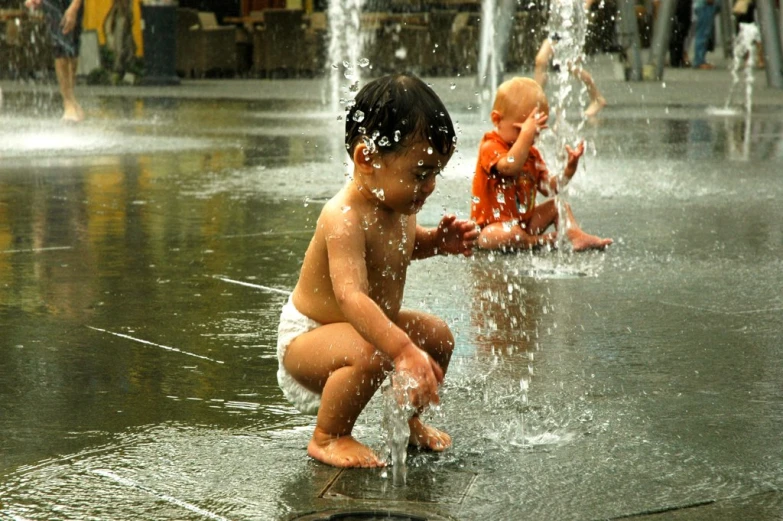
x,y
292,324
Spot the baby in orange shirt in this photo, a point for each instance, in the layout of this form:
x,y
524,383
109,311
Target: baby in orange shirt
x,y
510,172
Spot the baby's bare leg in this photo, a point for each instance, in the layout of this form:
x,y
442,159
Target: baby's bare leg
x,y
503,236
547,213
337,362
432,335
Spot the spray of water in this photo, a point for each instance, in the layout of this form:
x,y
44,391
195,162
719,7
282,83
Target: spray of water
x,y
397,410
497,18
568,23
744,51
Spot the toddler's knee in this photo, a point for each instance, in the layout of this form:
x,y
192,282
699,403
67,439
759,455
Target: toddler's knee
x,y
445,337
373,362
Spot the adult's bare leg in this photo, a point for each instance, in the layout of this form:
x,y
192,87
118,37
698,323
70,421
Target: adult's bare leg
x,y
65,68
544,55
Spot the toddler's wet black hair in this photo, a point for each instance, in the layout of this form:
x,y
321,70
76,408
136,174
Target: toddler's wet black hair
x,y
392,111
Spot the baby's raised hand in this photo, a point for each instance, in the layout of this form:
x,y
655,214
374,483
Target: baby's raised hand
x,y
535,123
456,236
575,153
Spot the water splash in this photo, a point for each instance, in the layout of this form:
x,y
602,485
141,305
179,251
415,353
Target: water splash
x,y
744,51
568,22
497,17
397,410
345,47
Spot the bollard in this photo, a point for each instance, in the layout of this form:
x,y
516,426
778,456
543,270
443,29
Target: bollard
x,y
160,42
770,36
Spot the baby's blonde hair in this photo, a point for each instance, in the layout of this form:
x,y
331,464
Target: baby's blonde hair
x,y
521,96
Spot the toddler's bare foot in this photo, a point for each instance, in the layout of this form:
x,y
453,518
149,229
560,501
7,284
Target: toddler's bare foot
x,y
427,437
73,114
581,241
595,106
341,451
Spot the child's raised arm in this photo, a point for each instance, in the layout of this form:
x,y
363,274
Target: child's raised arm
x,y
452,236
512,164
551,185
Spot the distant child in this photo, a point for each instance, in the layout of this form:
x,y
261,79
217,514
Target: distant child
x,y
343,328
510,171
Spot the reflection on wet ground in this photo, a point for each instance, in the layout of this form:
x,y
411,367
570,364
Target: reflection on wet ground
x,y
144,257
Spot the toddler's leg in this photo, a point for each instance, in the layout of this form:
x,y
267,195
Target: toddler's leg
x,y
337,362
547,213
432,335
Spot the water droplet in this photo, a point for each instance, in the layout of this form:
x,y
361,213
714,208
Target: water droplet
x,y
364,62
476,199
421,162
510,159
501,198
306,202
496,213
453,86
358,116
384,141
429,150
345,209
396,136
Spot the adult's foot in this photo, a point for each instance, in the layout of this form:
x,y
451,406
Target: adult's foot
x,y
73,113
595,106
342,451
581,241
427,437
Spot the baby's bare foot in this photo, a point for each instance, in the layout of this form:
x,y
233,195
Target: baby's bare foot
x,y
427,437
342,451
595,106
581,241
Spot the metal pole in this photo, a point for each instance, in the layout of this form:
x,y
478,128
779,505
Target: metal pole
x,y
770,36
631,35
726,27
662,30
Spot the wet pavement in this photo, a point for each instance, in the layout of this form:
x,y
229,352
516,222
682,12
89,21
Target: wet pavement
x,y
144,256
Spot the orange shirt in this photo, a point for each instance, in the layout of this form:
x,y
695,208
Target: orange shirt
x,y
498,198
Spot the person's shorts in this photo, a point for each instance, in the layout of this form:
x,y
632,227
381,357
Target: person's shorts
x,y
292,324
63,45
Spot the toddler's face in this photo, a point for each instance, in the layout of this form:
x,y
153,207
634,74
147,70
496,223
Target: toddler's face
x,y
405,180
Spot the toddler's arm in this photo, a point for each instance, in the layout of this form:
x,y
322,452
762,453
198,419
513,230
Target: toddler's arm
x,y
553,184
512,164
452,236
348,272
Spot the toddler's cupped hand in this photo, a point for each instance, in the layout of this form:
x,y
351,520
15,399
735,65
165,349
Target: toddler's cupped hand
x,y
457,236
425,371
